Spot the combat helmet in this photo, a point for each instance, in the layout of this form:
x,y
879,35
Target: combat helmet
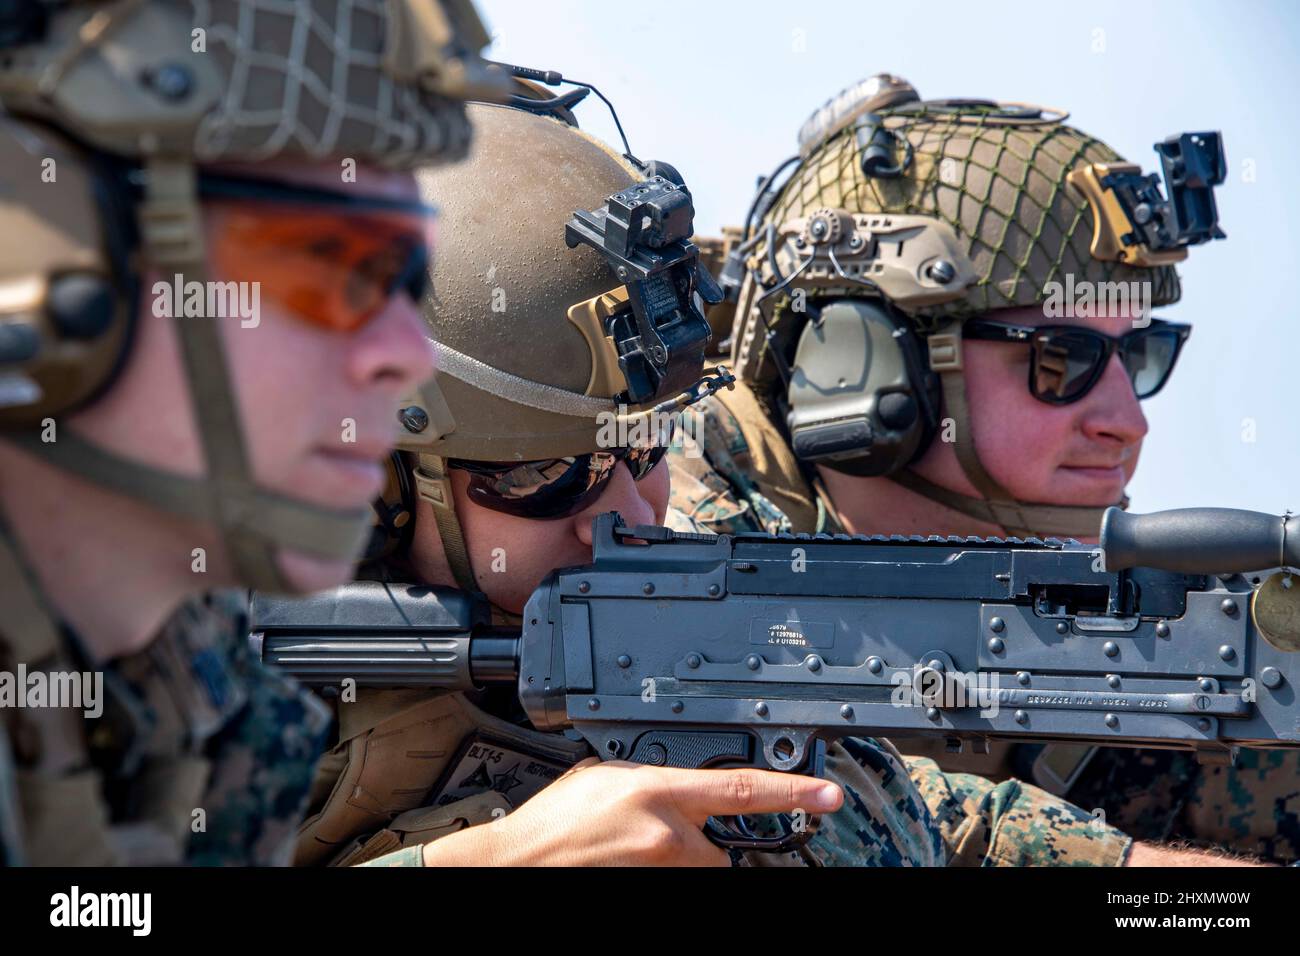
x,y
902,218
122,100
565,305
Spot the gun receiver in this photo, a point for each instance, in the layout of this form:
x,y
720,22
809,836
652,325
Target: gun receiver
x,y
690,650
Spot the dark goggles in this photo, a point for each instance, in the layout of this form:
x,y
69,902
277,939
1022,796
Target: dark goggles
x,y
1066,361
554,487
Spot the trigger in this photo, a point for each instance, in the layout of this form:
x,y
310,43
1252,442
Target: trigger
x,y
817,760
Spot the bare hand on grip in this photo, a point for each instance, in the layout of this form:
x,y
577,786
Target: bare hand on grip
x,y
625,814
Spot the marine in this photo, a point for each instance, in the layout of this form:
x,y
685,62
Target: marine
x,y
149,463
898,375
497,481
503,490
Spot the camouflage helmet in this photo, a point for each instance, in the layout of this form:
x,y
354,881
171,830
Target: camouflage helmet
x,y
509,294
997,175
943,209
523,317
125,99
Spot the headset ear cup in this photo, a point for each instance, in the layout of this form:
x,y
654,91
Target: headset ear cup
x,y
71,246
861,399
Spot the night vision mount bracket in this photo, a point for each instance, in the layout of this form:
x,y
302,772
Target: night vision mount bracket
x,y
1134,223
644,233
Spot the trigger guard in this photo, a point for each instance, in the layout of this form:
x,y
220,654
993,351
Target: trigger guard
x,y
738,835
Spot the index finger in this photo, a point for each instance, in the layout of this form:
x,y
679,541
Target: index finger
x,y
710,793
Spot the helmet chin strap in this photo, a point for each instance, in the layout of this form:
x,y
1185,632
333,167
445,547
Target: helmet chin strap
x,y
255,523
1018,519
433,484
998,505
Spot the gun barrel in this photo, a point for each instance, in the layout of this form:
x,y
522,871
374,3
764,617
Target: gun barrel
x,y
462,663
1200,540
382,635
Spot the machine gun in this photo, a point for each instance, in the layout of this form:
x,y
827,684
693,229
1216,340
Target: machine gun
x,y
690,650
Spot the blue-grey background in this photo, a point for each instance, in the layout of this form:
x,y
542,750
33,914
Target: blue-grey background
x,y
720,87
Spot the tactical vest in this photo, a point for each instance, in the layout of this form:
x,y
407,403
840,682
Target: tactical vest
x,y
165,775
745,448
413,765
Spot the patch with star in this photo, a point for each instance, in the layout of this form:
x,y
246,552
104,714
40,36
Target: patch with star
x,y
485,763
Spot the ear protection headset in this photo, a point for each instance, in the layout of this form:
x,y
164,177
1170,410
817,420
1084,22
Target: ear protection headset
x,y
68,297
861,398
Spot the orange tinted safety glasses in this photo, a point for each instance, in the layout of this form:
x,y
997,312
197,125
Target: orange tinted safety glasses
x,y
331,259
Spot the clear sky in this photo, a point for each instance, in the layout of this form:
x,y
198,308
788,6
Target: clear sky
x,y
719,88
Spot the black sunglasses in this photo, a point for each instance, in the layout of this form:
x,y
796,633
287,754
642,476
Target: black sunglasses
x,y
554,487
1066,361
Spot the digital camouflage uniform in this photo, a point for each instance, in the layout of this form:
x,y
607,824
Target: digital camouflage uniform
x,y
203,756
264,760
982,823
1252,807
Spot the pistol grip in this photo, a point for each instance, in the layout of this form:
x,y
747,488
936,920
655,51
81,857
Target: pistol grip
x,y
692,750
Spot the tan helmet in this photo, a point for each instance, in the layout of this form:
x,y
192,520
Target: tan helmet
x,y
932,212
119,101
541,350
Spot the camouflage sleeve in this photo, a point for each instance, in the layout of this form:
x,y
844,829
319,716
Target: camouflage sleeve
x,y
1012,823
1142,791
1252,807
406,856
709,484
262,766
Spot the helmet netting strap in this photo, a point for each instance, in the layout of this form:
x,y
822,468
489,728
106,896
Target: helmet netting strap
x,y
1071,521
171,232
275,519
31,630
